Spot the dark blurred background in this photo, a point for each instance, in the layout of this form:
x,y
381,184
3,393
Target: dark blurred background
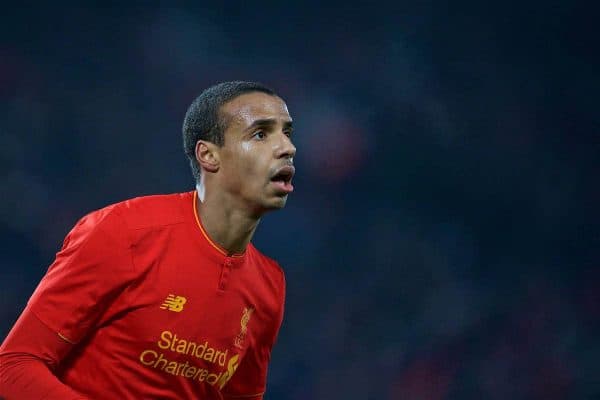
x,y
442,241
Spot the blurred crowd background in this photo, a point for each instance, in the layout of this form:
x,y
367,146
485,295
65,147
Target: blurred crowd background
x,y
443,238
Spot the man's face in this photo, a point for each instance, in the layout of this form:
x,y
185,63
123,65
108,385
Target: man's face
x,y
256,161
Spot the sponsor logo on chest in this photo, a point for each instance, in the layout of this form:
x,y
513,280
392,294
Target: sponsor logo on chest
x,y
196,360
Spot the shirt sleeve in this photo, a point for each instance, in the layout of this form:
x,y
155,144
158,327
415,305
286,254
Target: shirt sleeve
x,y
28,356
249,381
93,267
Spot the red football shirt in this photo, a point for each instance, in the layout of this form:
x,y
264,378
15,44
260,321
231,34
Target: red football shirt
x,y
158,310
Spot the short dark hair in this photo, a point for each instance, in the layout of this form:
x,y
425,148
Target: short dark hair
x,y
203,120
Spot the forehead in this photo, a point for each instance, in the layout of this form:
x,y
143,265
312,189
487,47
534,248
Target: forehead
x,y
243,110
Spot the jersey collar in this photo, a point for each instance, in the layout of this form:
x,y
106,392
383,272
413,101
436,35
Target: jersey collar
x,y
234,258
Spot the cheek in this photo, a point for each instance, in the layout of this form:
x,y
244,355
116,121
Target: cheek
x,y
245,159
251,160
246,147
250,166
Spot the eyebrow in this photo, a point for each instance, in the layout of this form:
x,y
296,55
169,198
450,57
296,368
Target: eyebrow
x,y
267,122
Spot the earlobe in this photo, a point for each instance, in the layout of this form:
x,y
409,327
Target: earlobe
x,y
207,155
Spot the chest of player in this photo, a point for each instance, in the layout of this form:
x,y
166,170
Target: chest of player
x,y
190,316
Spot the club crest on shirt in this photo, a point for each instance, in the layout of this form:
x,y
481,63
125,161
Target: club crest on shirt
x,y
240,337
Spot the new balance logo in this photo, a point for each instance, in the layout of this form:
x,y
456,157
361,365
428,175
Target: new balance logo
x,y
173,303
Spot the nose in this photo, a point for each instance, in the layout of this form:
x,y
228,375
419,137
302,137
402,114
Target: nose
x,y
285,147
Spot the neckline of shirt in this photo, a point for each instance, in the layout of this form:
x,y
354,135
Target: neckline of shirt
x,y
216,248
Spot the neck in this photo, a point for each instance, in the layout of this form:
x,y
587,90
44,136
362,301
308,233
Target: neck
x,y
230,227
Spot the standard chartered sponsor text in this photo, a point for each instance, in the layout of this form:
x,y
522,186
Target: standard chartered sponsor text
x,y
170,342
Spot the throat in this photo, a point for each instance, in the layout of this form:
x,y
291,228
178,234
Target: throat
x,y
231,229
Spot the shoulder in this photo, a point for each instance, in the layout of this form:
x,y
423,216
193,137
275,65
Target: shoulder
x,y
116,220
267,267
152,211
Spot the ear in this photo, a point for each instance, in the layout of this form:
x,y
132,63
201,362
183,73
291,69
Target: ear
x,y
207,155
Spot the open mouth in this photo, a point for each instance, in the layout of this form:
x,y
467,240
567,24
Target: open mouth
x,y
283,179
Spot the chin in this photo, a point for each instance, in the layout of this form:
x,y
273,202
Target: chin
x,y
276,204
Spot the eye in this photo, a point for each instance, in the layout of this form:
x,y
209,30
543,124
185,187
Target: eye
x,y
288,133
259,135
